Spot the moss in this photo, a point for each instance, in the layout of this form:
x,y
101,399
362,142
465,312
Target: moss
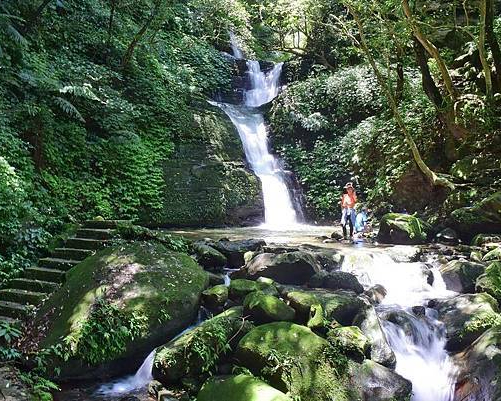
x,y
350,341
215,296
403,229
490,281
239,388
293,359
144,285
265,308
239,288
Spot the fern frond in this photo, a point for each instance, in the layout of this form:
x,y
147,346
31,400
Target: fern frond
x,y
15,35
84,91
68,108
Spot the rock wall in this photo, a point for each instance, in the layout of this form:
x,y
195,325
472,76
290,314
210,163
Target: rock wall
x,y
207,182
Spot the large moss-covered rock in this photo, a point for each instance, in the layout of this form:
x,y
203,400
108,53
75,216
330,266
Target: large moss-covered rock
x,y
263,308
351,341
336,280
118,305
490,281
403,229
293,359
466,318
286,268
240,287
461,275
494,254
239,388
483,217
198,350
206,179
479,377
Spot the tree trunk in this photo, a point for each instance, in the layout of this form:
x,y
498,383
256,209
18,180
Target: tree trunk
x,y
493,44
482,50
399,90
432,50
139,35
428,173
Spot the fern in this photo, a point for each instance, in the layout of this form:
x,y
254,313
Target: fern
x,y
68,108
83,91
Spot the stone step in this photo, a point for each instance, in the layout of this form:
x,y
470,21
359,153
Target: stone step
x,y
95,233
23,297
71,253
34,285
58,263
13,309
86,243
44,274
103,223
10,320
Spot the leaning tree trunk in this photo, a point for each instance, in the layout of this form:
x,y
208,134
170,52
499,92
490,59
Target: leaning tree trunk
x,y
482,52
494,45
434,179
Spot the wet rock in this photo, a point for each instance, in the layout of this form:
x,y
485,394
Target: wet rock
x,y
286,268
461,275
176,359
369,323
239,388
351,341
264,308
419,310
480,369
466,317
490,281
316,320
208,257
403,229
374,382
337,236
447,236
215,278
235,250
376,293
12,388
336,280
404,253
215,297
327,259
484,217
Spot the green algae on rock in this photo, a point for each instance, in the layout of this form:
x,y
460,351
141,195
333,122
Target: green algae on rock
x,y
264,308
239,388
139,293
404,229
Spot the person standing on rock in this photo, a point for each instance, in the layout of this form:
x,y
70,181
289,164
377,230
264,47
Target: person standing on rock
x,y
348,201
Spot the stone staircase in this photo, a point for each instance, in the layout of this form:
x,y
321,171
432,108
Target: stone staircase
x,y
37,283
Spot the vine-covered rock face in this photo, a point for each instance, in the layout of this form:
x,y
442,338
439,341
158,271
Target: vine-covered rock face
x,y
484,217
118,305
239,388
403,229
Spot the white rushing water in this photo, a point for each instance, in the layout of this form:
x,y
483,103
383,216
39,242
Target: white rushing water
x,y
418,341
249,121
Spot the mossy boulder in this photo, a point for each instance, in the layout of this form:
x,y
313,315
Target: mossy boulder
x,y
494,254
239,388
405,229
198,350
285,268
240,288
483,217
351,341
490,281
215,297
119,304
292,359
339,305
209,257
263,308
466,318
461,275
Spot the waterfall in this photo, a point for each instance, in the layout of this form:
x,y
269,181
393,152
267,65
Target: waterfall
x,y
418,341
279,207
